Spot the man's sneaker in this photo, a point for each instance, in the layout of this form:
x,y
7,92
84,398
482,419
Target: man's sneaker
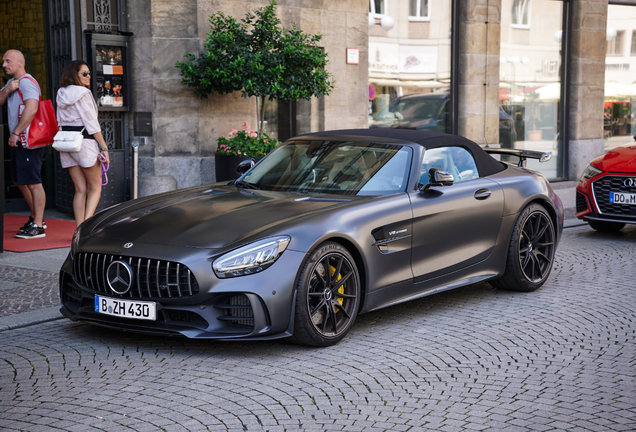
x,y
32,231
28,223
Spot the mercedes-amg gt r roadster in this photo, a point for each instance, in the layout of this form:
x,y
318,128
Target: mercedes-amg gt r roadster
x,y
327,226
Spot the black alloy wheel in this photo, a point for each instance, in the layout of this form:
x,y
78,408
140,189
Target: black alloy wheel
x,y
531,251
328,297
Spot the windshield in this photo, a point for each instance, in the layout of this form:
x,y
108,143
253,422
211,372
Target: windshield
x,y
334,167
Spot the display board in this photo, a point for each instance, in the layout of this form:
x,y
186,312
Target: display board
x,y
109,59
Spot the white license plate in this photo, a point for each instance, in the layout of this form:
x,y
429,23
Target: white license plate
x,y
144,310
622,198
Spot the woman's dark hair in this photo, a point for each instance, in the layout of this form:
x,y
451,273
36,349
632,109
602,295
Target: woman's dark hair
x,y
71,72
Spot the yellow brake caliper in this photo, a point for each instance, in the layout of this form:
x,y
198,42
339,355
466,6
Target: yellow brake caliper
x,y
341,289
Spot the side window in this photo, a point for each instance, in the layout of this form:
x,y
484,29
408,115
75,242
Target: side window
x,y
456,160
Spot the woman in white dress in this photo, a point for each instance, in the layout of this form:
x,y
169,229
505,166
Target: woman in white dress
x,y
76,109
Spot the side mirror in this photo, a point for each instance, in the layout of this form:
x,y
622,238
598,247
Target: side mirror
x,y
438,177
245,166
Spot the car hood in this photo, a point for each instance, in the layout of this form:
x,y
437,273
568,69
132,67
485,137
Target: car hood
x,y
210,218
619,159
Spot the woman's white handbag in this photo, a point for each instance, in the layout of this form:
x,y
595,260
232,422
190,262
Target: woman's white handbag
x,y
68,141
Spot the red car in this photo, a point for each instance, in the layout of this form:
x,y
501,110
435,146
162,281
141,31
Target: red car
x,y
606,193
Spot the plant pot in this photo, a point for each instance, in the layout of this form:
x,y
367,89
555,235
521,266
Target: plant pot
x,y
535,135
225,166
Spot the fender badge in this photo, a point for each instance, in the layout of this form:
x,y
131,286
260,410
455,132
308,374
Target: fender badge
x,y
128,245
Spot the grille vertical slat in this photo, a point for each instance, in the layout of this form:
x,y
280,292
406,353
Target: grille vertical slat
x,y
91,278
178,280
157,273
151,278
168,279
84,271
139,294
148,278
97,273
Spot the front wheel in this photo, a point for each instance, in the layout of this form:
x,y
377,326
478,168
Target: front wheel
x,y
531,251
604,226
328,297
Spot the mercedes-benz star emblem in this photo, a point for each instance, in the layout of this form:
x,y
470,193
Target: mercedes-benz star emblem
x,y
119,275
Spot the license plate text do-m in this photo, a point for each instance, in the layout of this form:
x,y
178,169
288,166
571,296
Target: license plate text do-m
x,y
622,198
126,308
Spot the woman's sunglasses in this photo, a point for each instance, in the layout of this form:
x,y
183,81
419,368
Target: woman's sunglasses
x,y
85,74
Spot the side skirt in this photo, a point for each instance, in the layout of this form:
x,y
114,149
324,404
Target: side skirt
x,y
439,289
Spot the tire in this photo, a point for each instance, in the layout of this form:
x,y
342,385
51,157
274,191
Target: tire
x,y
606,226
327,303
531,251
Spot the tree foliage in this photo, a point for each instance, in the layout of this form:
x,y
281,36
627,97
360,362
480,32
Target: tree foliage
x,y
260,58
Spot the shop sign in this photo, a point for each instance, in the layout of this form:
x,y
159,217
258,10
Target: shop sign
x,y
383,57
418,59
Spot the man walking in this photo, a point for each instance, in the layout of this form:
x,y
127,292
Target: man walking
x,y
26,165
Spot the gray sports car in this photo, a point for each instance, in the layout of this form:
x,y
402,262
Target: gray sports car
x,y
327,226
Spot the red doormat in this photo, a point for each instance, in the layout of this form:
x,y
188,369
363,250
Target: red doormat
x,y
58,234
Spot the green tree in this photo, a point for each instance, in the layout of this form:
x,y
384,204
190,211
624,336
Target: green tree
x,y
260,58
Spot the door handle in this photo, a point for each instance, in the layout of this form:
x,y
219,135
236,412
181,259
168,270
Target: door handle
x,y
482,194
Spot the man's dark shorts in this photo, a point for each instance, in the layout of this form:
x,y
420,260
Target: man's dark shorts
x,y
26,165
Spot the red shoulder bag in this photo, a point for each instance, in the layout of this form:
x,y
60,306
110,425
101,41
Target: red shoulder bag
x,y
44,126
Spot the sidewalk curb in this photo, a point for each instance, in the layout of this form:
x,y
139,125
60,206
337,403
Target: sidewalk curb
x,y
571,223
25,319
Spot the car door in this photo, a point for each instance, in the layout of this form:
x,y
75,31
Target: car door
x,y
453,226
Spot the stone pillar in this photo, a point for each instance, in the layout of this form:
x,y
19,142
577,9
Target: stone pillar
x,y
587,84
479,43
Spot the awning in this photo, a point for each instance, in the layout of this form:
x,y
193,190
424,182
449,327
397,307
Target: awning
x,y
430,84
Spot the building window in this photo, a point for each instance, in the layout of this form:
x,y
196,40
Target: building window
x,y
418,10
615,47
377,7
521,13
633,48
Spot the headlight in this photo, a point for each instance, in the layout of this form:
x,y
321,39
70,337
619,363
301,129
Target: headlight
x,y
590,172
250,259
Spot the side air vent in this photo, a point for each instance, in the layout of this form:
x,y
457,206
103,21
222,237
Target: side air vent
x,y
237,310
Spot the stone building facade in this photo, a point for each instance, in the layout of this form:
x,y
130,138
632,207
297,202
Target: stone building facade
x,y
473,59
181,151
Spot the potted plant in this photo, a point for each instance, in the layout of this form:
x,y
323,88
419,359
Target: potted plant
x,y
260,58
239,145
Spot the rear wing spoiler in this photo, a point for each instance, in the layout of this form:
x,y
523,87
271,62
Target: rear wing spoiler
x,y
521,154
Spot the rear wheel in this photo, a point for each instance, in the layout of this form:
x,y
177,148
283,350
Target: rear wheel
x,y
604,226
531,251
328,297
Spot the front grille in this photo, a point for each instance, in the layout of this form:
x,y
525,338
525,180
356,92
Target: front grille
x,y
581,202
152,279
603,187
237,309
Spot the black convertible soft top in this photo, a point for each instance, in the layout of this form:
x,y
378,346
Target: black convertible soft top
x,y
486,164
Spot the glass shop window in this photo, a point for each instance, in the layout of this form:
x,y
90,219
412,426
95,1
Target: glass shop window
x,y
530,78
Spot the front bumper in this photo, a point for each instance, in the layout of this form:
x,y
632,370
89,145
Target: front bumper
x,y
258,306
593,204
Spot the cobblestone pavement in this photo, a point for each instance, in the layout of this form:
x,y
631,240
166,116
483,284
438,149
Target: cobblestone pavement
x,y
560,358
40,284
